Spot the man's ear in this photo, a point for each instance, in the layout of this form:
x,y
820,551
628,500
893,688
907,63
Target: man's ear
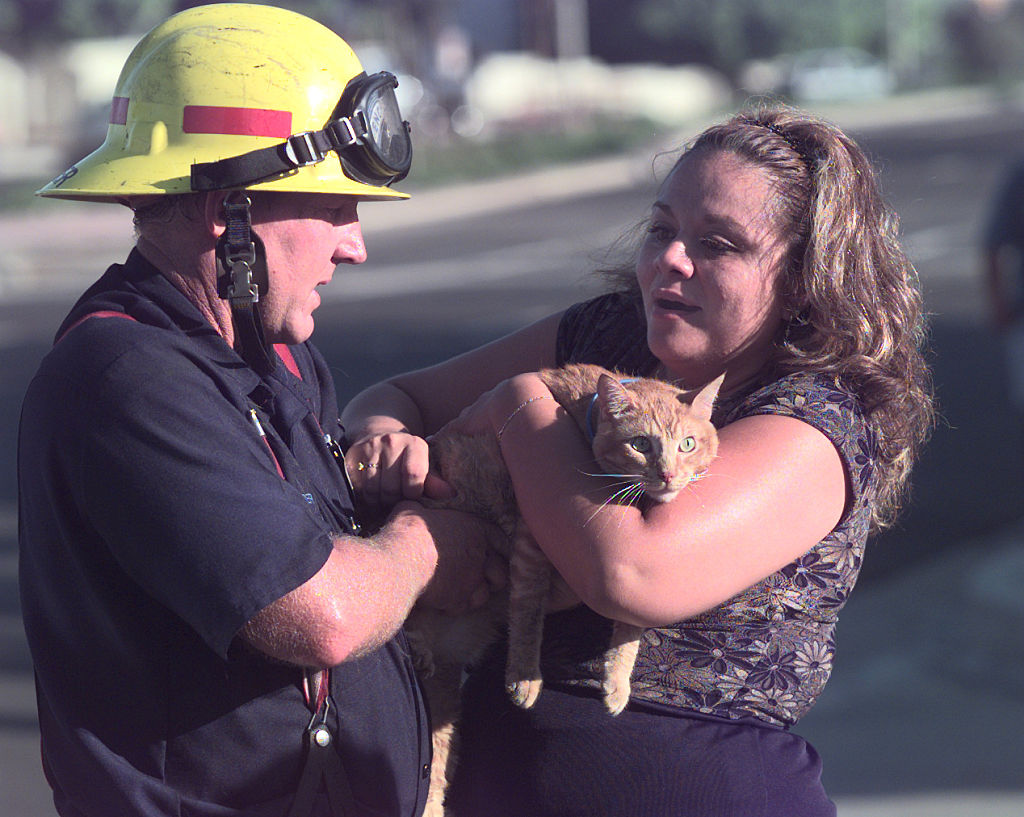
x,y
213,212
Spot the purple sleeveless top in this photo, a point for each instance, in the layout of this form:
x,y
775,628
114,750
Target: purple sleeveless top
x,y
768,651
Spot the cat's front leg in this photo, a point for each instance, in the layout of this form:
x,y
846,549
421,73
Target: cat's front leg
x,y
529,584
619,659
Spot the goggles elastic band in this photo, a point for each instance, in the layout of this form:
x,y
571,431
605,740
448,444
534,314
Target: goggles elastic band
x,y
300,150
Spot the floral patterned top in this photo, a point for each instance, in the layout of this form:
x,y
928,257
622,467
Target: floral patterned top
x,y
768,651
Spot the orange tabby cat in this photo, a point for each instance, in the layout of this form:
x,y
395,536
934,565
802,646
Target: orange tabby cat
x,y
648,433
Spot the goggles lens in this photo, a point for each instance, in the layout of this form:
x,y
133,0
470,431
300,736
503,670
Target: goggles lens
x,y
388,133
384,152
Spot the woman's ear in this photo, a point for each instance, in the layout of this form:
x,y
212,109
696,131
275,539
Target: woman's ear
x,y
213,212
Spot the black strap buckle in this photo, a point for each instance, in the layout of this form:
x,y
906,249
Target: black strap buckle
x,y
341,134
239,251
301,149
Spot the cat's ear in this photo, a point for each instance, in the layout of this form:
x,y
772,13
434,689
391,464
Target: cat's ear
x,y
704,402
614,396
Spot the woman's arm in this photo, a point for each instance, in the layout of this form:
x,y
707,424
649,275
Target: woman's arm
x,y
777,487
385,424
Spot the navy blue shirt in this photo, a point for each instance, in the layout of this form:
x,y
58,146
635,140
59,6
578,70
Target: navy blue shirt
x,y
155,521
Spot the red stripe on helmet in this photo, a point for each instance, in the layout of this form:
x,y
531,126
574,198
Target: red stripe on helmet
x,y
119,111
236,121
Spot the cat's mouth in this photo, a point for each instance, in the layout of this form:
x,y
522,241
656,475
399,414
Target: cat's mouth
x,y
662,494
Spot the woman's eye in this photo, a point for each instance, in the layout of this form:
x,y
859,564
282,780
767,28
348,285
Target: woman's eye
x,y
687,445
641,444
718,245
660,232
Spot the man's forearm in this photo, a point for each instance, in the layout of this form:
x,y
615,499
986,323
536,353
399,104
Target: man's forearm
x,y
355,603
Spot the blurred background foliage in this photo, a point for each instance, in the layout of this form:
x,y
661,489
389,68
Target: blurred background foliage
x,y
492,85
722,34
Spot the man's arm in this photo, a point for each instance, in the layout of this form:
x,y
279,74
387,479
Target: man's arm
x,y
364,591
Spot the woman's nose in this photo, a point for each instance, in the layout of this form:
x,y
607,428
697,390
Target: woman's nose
x,y
676,259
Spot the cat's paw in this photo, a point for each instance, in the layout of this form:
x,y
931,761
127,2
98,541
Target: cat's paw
x,y
524,693
434,808
616,698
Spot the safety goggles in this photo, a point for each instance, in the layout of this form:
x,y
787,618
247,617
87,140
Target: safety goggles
x,y
366,131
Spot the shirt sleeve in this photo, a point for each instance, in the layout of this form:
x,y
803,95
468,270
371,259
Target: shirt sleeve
x,y
609,330
826,405
182,489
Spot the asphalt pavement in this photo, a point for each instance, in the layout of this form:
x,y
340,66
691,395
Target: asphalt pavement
x,y
925,711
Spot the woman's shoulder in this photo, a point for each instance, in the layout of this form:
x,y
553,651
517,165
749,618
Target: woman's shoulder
x,y
609,330
822,401
801,394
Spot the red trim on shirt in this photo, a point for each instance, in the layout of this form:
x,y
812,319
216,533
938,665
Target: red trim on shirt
x,y
288,359
103,313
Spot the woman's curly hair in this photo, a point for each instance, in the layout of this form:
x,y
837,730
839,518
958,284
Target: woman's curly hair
x,y
849,290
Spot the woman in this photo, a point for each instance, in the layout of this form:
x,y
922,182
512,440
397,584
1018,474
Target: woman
x,y
770,256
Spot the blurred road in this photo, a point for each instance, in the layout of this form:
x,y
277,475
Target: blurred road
x,y
925,711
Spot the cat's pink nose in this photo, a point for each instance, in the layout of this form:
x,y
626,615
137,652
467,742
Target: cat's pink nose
x,y
667,477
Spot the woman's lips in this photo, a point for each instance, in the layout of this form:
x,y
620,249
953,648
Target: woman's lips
x,y
671,305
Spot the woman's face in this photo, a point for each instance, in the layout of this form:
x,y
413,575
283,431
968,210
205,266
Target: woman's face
x,y
709,270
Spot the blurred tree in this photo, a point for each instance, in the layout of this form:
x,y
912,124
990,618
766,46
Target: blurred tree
x,y
987,40
27,26
726,33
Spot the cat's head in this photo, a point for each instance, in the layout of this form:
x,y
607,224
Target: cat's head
x,y
655,432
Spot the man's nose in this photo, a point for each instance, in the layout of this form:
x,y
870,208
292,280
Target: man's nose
x,y
351,248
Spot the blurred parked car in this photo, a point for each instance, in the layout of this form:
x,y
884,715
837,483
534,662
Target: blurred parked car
x,y
827,74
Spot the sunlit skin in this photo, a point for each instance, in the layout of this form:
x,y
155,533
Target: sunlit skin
x,y
305,237
709,270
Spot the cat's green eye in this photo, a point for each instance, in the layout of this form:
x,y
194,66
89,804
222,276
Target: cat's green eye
x,y
641,444
687,445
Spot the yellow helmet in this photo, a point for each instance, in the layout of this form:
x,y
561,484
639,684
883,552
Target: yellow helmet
x,y
236,96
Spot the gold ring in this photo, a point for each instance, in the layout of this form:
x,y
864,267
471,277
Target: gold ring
x,y
365,466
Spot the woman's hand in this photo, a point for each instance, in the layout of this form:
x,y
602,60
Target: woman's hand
x,y
495,409
387,468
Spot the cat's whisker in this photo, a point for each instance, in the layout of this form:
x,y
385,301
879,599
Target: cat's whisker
x,y
624,483
621,496
631,477
628,496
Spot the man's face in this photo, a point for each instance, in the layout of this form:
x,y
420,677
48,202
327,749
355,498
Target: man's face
x,y
306,236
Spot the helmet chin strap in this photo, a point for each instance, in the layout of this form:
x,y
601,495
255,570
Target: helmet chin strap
x,y
241,272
